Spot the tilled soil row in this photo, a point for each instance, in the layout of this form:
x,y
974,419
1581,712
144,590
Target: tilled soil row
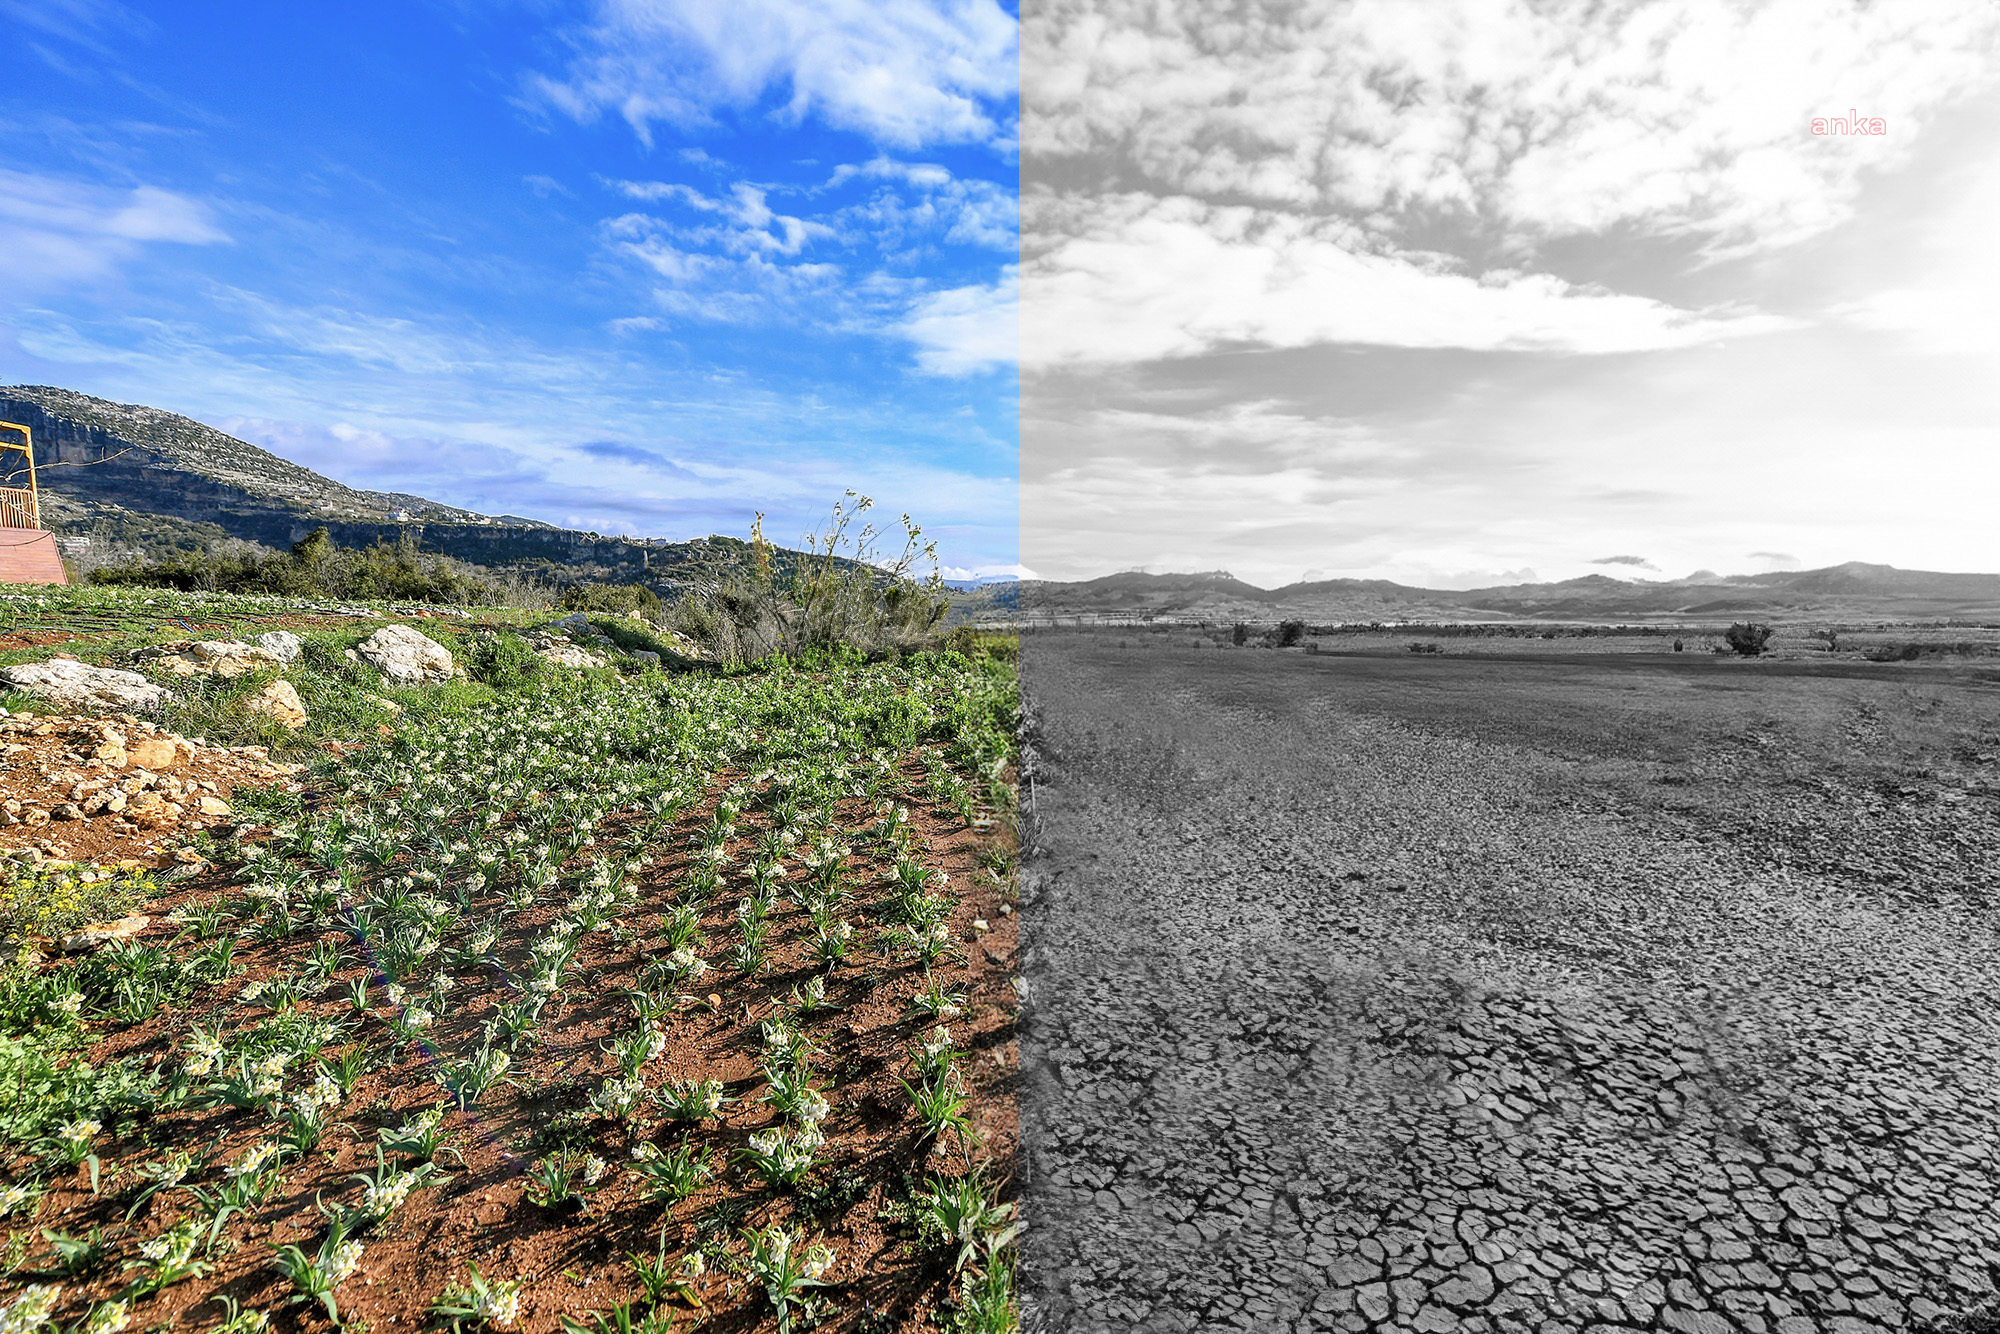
x,y
1338,1020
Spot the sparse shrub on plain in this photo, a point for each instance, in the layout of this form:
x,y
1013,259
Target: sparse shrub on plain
x,y
1895,653
1240,635
1747,638
1290,633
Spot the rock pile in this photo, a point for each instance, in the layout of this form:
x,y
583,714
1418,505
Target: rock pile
x,y
226,658
103,779
563,652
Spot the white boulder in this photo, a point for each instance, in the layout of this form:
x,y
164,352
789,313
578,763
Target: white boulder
x,y
281,644
79,686
406,657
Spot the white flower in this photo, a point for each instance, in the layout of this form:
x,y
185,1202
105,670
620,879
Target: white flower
x,y
593,1170
345,1259
31,1310
500,1304
253,1160
14,1196
107,1318
385,1199
81,1132
71,1004
818,1260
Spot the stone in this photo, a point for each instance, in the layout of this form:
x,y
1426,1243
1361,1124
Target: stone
x,y
214,806
150,809
281,644
647,656
76,685
34,818
159,753
229,657
279,700
406,657
69,810
684,646
94,935
556,649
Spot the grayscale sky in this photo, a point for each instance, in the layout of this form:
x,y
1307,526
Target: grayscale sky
x,y
1467,293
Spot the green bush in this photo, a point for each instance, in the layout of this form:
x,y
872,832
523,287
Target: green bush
x,y
836,592
315,567
612,599
503,661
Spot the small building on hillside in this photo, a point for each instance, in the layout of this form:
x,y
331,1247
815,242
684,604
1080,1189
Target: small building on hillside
x,y
28,553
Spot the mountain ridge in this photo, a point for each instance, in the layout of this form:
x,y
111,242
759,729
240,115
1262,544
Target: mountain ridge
x,y
1850,588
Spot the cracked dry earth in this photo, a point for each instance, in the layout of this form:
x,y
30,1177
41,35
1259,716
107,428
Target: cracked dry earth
x,y
1372,994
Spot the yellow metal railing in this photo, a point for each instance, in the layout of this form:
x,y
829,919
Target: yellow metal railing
x,y
20,507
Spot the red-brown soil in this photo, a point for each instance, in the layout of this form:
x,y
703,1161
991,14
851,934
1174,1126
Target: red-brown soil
x,y
574,1264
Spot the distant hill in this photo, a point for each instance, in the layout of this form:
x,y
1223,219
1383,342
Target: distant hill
x,y
1840,592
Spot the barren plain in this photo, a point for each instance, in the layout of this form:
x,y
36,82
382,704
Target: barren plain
x,y
1461,993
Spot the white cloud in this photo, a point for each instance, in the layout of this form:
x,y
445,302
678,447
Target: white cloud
x,y
1680,117
1936,288
1378,171
902,72
933,202
54,232
1147,278
750,266
968,329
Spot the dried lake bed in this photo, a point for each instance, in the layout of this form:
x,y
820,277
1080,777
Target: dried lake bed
x,y
1453,992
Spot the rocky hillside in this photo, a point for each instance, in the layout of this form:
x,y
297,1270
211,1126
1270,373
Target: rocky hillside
x,y
141,481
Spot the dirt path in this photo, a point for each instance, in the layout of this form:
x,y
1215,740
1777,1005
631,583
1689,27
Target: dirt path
x,y
1498,1004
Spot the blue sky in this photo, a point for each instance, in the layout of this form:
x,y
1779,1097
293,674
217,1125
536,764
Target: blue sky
x,y
1465,292
643,266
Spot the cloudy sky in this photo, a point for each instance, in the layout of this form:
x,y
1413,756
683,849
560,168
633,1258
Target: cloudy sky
x,y
1463,293
643,266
